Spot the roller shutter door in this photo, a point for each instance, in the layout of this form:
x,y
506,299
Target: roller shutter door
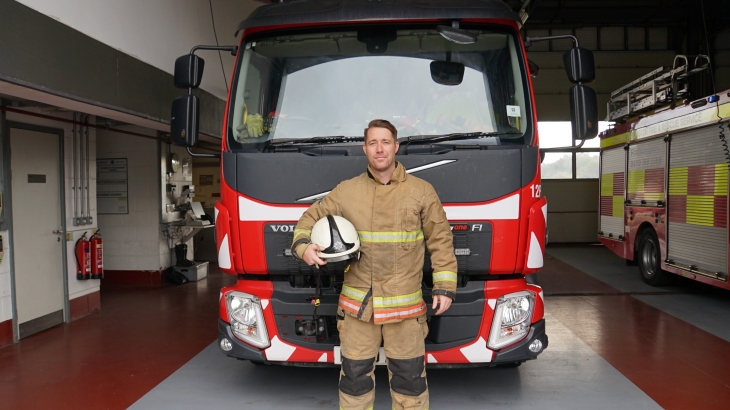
x,y
697,204
612,192
645,182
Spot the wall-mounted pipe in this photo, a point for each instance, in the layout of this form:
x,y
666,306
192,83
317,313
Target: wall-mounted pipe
x,y
89,219
73,165
98,127
82,213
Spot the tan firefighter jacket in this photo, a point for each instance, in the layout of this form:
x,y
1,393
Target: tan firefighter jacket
x,y
394,221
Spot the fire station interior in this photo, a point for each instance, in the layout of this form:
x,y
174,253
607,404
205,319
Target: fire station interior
x,y
109,271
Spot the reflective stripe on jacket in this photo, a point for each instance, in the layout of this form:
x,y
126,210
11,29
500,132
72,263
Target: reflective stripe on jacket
x,y
395,222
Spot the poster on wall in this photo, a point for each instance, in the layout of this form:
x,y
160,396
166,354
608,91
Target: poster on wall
x,y
206,180
111,186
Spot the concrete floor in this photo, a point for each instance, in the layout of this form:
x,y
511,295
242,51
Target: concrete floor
x,y
615,343
569,375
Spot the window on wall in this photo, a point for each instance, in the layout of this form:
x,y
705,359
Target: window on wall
x,y
568,163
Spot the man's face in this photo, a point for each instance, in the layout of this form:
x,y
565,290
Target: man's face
x,y
380,148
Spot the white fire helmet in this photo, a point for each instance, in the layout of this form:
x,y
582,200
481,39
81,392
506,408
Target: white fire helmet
x,y
339,238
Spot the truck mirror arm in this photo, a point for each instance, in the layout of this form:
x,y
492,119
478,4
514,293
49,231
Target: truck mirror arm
x,y
196,154
530,40
232,49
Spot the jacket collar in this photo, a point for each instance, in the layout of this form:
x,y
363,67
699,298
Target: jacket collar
x,y
399,174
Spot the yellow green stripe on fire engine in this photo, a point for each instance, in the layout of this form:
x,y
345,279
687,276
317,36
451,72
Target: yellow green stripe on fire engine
x,y
678,180
705,116
607,185
636,184
618,206
701,210
617,201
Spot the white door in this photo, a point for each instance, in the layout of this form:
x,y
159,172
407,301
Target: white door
x,y
37,253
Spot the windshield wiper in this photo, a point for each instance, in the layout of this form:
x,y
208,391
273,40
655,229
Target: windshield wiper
x,y
313,140
452,137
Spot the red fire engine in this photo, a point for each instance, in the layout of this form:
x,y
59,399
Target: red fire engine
x,y
453,78
664,177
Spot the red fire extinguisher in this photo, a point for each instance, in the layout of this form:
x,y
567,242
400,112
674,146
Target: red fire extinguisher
x,y
97,256
83,258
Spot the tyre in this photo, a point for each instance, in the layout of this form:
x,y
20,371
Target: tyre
x,y
649,260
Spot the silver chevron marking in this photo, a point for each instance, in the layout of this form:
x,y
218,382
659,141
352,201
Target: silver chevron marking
x,y
409,171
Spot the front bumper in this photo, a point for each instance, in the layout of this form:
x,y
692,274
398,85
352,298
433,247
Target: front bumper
x,y
240,349
519,352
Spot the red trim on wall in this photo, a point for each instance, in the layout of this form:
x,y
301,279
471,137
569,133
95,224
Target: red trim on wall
x,y
133,277
6,333
84,305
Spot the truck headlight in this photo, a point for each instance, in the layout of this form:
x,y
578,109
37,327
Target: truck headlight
x,y
512,316
247,319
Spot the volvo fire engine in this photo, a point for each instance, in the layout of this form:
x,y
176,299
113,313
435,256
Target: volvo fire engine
x,y
453,78
664,177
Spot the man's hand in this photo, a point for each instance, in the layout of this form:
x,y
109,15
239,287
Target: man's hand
x,y
310,255
443,302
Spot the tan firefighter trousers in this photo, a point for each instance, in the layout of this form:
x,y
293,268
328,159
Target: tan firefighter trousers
x,y
404,348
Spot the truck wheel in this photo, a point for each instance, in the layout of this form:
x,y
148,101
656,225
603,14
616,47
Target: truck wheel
x,y
649,260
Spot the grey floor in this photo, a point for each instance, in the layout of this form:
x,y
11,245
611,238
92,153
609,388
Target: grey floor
x,y
569,375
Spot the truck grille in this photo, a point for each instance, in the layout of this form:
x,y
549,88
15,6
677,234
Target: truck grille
x,y
472,246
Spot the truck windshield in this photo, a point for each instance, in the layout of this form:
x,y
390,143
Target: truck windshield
x,y
332,84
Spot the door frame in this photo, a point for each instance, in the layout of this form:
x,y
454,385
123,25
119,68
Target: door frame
x,y
8,214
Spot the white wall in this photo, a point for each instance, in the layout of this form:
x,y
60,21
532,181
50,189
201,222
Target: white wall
x,y
158,31
76,287
134,241
131,240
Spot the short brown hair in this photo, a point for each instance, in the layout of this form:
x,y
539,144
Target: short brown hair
x,y
382,124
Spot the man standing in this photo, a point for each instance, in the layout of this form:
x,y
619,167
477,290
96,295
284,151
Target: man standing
x,y
394,214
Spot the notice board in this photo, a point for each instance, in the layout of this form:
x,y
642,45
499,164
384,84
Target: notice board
x,y
111,186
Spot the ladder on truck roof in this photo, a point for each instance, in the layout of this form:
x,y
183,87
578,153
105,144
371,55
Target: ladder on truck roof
x,y
659,87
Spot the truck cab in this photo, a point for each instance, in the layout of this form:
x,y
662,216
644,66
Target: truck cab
x,y
453,78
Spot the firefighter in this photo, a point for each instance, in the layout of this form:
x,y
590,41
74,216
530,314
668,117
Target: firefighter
x,y
395,214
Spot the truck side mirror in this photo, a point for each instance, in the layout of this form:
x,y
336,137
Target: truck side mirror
x,y
184,121
579,65
583,104
189,71
580,69
583,112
